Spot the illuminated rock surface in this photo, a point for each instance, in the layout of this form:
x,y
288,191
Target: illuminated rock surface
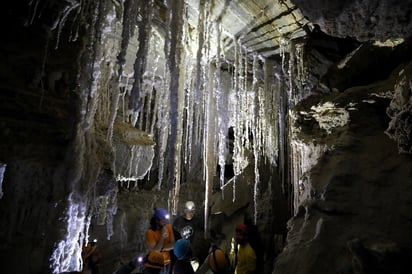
x,y
293,115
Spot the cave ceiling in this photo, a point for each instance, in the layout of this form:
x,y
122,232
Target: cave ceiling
x,y
261,26
257,26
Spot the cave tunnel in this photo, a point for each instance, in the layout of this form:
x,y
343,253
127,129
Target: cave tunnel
x,y
291,116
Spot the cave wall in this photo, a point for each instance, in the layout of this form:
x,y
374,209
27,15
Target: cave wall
x,y
52,144
354,215
58,84
352,211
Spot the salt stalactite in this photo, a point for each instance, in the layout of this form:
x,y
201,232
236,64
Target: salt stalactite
x,y
301,71
96,55
182,57
33,10
294,159
283,44
270,107
221,102
303,156
59,23
188,103
73,6
66,255
201,39
144,28
237,115
126,91
130,9
191,49
173,56
62,16
296,73
196,107
163,128
282,101
191,124
209,142
247,112
306,156
129,18
143,104
150,91
291,74
113,112
156,89
2,171
207,119
256,128
204,78
84,238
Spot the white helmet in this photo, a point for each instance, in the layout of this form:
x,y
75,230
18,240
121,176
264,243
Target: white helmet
x,y
190,206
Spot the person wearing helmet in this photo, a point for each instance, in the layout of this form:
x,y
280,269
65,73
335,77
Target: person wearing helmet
x,y
183,255
160,239
242,255
190,226
185,224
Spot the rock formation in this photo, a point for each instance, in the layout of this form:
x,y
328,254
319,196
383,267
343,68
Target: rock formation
x,y
294,116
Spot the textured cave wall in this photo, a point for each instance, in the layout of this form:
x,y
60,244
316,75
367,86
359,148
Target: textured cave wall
x,y
53,145
37,124
362,20
356,214
54,110
353,213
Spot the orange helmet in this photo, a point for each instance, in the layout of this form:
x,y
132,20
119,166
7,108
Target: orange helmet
x,y
218,261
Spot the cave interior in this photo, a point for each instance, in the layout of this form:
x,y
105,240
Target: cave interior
x,y
293,116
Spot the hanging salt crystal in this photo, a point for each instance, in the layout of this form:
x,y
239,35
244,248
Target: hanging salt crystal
x,y
163,127
66,256
256,136
2,171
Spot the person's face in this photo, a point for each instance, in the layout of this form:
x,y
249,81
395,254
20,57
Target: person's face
x,y
240,237
163,222
189,214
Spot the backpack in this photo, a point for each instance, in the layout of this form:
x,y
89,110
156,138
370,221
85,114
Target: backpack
x,y
154,259
218,260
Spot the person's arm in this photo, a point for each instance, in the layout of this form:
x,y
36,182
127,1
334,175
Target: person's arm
x,y
169,246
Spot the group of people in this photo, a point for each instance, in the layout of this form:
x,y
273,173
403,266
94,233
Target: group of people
x,y
179,249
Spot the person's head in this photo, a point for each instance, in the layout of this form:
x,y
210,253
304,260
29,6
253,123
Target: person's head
x,y
189,210
160,218
182,249
241,235
218,261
